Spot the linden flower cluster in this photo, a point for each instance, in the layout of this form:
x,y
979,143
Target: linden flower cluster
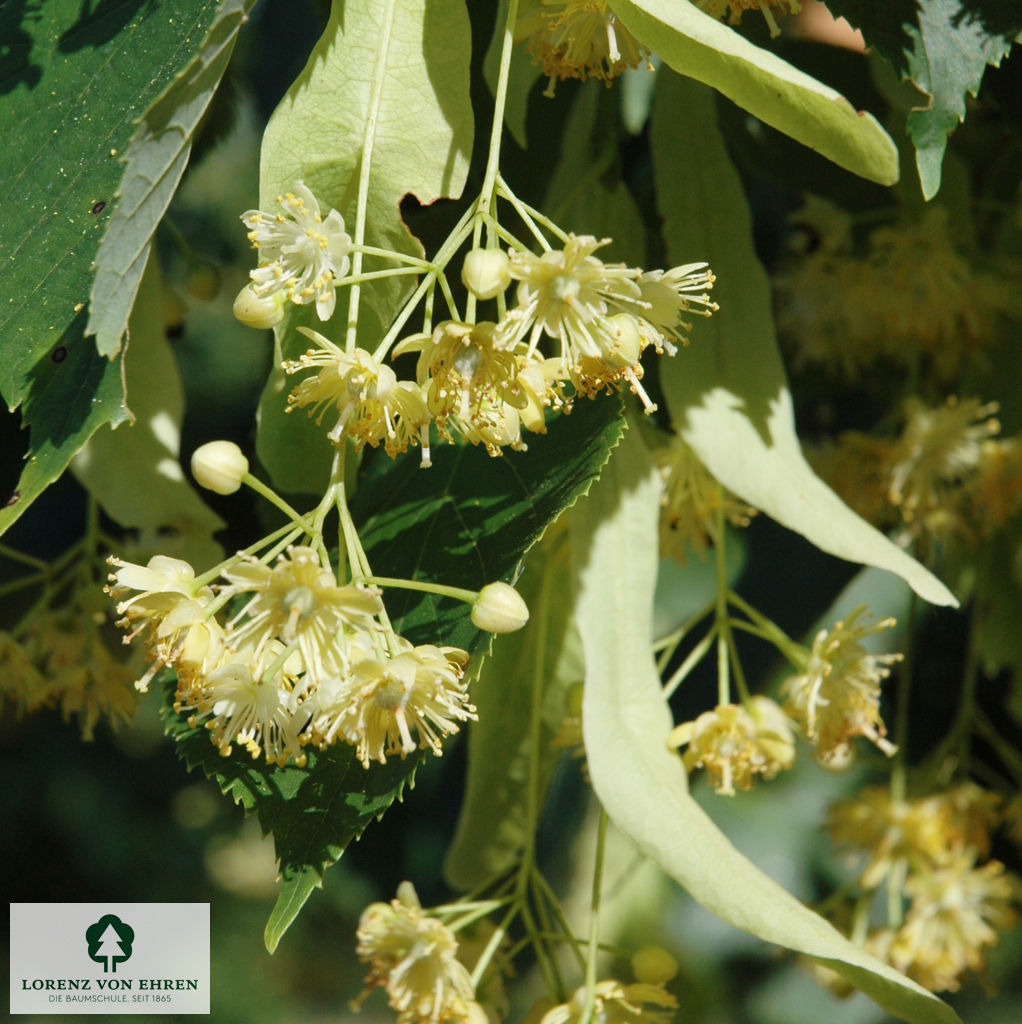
x,y
943,316
637,1003
414,958
60,661
691,499
736,8
486,382
578,39
933,849
836,696
737,743
293,658
946,477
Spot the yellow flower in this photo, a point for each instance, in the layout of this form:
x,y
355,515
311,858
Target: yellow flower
x,y
373,405
418,690
837,695
579,39
954,915
692,497
939,449
894,834
736,743
414,957
602,315
718,8
300,253
924,299
299,603
614,1003
468,380
250,708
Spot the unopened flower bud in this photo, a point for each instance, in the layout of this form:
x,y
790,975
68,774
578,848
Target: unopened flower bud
x,y
260,311
485,272
219,466
653,965
499,608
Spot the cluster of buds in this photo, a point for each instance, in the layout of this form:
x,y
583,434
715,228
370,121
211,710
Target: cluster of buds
x,y
278,656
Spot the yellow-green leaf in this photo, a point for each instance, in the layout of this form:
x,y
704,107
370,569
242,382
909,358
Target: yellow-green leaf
x,y
387,84
642,785
727,392
780,95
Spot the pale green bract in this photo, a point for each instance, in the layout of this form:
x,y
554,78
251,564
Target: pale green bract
x,y
703,48
727,393
643,786
386,83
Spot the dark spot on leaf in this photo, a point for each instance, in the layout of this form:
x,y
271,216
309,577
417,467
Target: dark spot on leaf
x,y
59,354
13,499
99,207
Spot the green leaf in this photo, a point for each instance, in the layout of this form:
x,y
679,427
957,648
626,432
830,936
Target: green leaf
x,y
313,812
949,54
727,392
943,46
155,160
67,116
415,130
626,721
540,662
134,472
74,392
703,48
467,521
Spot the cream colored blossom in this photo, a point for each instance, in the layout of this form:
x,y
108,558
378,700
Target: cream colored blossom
x,y
909,298
614,1003
243,705
578,39
837,695
893,835
300,253
169,604
939,449
602,315
467,377
414,957
298,602
737,743
954,916
417,691
670,295
373,405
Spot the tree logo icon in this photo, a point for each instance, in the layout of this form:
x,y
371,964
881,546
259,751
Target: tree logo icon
x,y
109,942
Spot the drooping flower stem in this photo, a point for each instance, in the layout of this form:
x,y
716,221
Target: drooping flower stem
x,y
722,626
423,586
530,215
692,659
594,918
275,499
